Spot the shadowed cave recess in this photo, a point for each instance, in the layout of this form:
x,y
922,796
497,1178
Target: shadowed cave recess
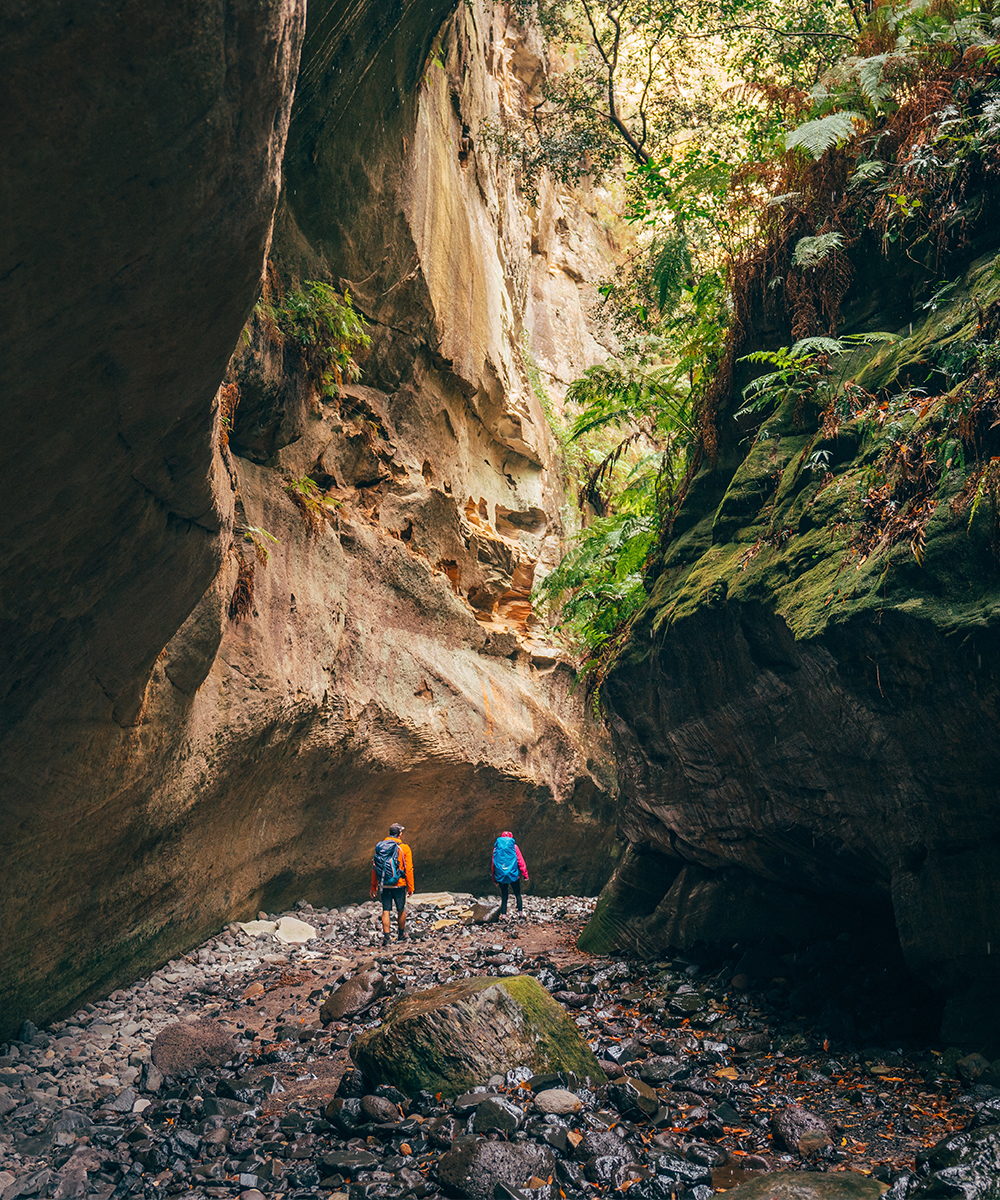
x,y
171,761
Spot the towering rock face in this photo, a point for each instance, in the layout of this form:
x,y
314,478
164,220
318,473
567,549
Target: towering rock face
x,y
142,152
173,759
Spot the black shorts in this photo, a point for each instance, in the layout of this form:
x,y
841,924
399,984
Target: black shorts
x,y
391,896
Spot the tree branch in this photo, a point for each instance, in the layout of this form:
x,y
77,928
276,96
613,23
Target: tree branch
x,y
788,33
638,153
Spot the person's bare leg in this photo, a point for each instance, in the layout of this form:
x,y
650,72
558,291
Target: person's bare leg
x,y
402,925
385,926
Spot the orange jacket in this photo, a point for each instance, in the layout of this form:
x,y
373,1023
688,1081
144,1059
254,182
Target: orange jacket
x,y
407,854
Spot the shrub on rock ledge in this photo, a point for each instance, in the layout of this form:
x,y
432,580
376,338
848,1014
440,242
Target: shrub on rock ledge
x,y
447,1039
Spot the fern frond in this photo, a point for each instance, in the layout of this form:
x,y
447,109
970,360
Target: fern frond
x,y
810,251
865,171
816,137
868,339
816,345
871,82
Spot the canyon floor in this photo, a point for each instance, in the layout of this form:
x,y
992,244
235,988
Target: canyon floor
x,y
838,1032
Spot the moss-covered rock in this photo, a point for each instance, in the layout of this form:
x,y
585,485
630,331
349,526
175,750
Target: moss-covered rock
x,y
810,694
447,1039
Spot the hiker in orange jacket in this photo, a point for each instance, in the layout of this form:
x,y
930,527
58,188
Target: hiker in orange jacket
x,y
395,890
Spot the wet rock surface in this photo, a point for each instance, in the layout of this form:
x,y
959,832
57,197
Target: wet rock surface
x,y
702,1097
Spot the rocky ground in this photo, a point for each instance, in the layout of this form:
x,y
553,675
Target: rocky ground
x,y
719,1073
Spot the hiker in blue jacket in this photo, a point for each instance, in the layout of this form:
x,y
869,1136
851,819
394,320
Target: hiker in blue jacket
x,y
508,867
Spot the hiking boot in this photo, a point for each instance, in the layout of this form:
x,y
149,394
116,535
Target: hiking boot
x,y
401,936
385,939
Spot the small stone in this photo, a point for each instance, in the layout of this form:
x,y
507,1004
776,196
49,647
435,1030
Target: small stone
x,y
662,1068
498,1116
789,1124
633,1098
352,996
503,1191
813,1141
970,1068
377,1108
255,989
625,1051
187,1045
294,932
151,1078
599,1143
473,1167
559,1101
259,927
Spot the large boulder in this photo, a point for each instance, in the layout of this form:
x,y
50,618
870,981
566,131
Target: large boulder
x,y
807,1185
446,1039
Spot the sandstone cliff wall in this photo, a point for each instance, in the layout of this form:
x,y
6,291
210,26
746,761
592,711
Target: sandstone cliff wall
x,y
166,767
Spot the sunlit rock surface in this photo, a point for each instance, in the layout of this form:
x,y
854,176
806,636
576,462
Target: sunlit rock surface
x,y
166,766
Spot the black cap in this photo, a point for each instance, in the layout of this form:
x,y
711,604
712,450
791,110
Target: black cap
x,y
396,829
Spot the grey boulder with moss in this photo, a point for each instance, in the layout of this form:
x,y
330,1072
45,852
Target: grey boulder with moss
x,y
447,1039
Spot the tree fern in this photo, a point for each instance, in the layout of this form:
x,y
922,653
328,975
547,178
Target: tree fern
x,y
671,267
871,81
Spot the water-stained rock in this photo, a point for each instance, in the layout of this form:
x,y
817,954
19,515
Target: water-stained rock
x,y
633,1098
498,1115
964,1164
448,1038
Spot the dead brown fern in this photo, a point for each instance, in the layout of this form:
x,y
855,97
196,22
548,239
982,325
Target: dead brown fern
x,y
241,601
229,398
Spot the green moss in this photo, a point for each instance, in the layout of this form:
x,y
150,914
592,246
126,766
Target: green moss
x,y
559,1045
785,534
